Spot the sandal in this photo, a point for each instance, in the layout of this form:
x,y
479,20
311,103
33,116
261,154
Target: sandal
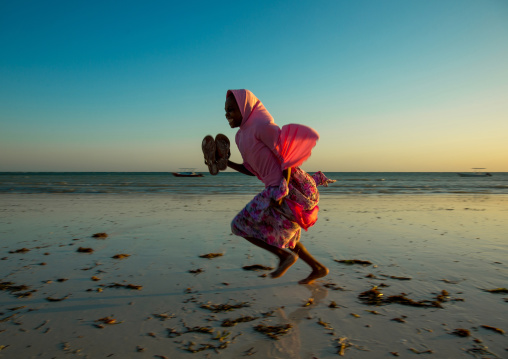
x,y
209,148
222,144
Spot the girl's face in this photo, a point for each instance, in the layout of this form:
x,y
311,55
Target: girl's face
x,y
233,114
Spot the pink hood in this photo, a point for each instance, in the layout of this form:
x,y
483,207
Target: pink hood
x,y
267,149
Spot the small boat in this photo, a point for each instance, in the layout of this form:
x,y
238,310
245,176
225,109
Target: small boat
x,y
477,173
187,172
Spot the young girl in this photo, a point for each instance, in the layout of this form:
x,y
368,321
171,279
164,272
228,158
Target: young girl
x,y
273,220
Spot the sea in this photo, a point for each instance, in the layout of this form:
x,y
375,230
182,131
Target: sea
x,y
348,183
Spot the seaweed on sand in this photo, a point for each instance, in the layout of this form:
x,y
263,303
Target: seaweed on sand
x,y
460,332
375,297
172,333
190,347
221,337
268,314
398,320
21,250
211,255
127,286
121,256
308,302
354,261
257,267
99,323
497,330
273,331
16,289
224,307
25,294
51,299
325,324
11,287
7,318
333,304
450,281
342,344
480,350
107,320
416,351
371,297
233,322
401,299
332,286
198,329
497,290
163,316
400,278
100,235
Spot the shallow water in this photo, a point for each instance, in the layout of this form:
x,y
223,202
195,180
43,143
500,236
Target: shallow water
x,y
235,183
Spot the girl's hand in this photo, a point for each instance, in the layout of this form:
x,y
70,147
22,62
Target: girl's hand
x,y
240,168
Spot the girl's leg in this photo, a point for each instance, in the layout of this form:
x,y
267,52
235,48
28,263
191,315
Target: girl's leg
x,y
286,259
318,270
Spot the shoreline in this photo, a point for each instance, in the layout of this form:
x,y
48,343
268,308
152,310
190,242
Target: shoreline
x,y
447,242
55,195
397,183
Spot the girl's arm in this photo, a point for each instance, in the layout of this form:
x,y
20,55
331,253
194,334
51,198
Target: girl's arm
x,y
240,168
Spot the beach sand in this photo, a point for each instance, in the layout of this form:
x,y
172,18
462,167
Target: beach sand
x,y
419,246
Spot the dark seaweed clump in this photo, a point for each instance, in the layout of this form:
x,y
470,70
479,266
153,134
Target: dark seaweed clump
x,y
224,307
371,297
21,250
211,255
354,261
233,322
375,297
11,287
257,267
497,290
127,286
273,331
100,235
16,290
460,332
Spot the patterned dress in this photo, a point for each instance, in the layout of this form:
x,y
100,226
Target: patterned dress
x,y
263,218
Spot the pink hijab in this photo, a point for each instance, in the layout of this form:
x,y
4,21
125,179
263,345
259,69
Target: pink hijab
x,y
266,149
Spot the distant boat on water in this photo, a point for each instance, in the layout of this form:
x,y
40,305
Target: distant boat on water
x,y
187,172
477,172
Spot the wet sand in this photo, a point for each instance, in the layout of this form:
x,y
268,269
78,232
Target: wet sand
x,y
160,298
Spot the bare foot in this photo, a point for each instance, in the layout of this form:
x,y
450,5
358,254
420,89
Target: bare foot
x,y
316,273
284,265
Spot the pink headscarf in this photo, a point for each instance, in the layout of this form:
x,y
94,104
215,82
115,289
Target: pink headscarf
x,y
266,149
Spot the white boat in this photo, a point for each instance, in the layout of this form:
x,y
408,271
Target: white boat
x,y
477,172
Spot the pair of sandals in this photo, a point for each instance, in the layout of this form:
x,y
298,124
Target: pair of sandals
x,y
216,152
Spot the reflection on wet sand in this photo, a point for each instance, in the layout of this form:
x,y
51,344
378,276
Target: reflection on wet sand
x,y
288,345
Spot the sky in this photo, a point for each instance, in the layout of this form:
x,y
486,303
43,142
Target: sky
x,y
390,85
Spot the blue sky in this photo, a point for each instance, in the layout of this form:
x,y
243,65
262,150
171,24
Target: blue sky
x,y
135,85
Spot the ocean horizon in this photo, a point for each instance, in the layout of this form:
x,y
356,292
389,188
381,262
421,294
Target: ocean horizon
x,y
377,183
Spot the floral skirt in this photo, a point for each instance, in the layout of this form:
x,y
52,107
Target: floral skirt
x,y
263,218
